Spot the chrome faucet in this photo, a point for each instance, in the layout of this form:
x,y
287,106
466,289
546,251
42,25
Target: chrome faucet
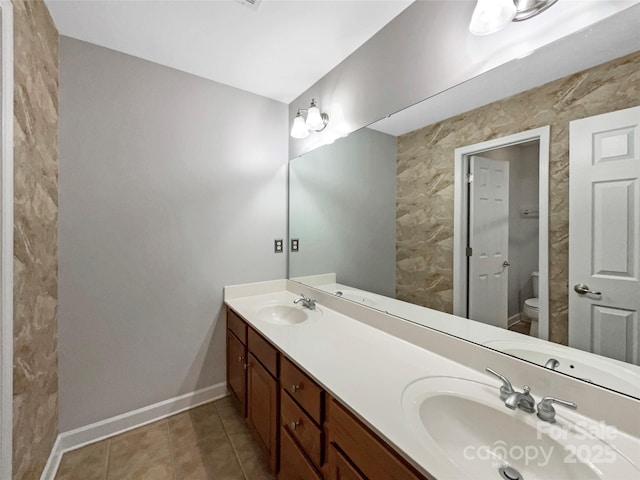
x,y
522,400
525,402
512,398
547,413
306,302
552,364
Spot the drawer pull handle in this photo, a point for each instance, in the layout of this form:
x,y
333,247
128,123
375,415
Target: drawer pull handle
x,y
294,425
295,388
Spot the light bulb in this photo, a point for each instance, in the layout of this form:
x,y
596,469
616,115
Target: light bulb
x,y
491,15
299,128
314,118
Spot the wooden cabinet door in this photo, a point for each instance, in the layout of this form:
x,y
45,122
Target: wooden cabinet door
x,y
236,371
340,468
293,464
262,408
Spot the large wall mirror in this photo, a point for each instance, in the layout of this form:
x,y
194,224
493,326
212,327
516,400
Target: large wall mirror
x,y
462,222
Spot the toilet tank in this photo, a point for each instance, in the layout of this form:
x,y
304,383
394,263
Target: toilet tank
x,y
534,278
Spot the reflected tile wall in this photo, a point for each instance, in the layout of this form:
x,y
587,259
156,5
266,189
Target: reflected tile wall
x,y
424,209
35,381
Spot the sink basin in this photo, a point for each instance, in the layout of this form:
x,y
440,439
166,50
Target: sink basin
x,y
282,314
471,434
620,376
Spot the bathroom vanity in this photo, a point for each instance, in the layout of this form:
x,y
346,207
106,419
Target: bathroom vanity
x,y
343,391
304,431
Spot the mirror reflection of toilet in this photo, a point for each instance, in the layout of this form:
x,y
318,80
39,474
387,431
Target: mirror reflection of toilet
x,y
530,309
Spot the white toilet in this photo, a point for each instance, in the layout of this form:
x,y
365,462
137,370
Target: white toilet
x,y
530,309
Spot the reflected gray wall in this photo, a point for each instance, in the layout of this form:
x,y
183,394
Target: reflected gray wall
x,y
342,208
171,187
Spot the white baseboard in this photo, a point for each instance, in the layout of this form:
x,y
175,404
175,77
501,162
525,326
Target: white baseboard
x,y
51,468
79,437
513,319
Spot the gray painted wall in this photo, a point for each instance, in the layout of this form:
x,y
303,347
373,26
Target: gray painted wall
x,y
171,186
343,209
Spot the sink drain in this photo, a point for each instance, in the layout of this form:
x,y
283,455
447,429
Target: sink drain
x,y
509,473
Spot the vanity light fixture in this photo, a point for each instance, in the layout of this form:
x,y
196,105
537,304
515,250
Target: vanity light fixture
x,y
316,121
490,16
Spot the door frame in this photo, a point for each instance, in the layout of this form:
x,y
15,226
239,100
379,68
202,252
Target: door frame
x,y
461,214
6,239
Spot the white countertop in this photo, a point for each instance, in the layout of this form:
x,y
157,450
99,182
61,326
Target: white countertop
x,y
362,366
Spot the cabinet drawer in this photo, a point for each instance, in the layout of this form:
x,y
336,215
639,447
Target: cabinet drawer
x,y
301,427
304,390
237,325
293,464
263,351
372,457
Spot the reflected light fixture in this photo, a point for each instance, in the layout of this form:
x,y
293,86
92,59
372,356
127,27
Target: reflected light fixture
x,y
316,121
490,16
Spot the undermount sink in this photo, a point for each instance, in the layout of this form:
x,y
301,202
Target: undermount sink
x,y
471,434
282,314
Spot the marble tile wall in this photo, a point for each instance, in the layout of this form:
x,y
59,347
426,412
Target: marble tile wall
x,y
424,217
35,383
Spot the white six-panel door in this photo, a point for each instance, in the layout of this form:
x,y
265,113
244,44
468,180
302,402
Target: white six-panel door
x,y
604,234
489,240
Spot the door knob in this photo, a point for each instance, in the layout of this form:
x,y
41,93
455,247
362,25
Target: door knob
x,y
506,263
582,289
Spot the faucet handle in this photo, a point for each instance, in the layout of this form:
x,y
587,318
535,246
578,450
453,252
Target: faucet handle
x,y
547,413
506,388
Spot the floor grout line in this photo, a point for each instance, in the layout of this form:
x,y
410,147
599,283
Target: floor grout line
x,y
171,451
108,455
235,451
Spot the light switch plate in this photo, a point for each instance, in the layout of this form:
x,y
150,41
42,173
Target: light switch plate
x,y
278,245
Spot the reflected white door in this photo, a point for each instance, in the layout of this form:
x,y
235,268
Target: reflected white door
x,y
604,234
489,241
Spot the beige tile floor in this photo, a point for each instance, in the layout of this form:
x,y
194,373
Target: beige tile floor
x,y
211,442
521,327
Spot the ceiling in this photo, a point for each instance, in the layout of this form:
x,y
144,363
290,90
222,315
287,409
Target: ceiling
x,y
278,50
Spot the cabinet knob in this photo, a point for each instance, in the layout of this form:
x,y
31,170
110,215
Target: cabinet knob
x,y
294,425
295,388
246,365
241,359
